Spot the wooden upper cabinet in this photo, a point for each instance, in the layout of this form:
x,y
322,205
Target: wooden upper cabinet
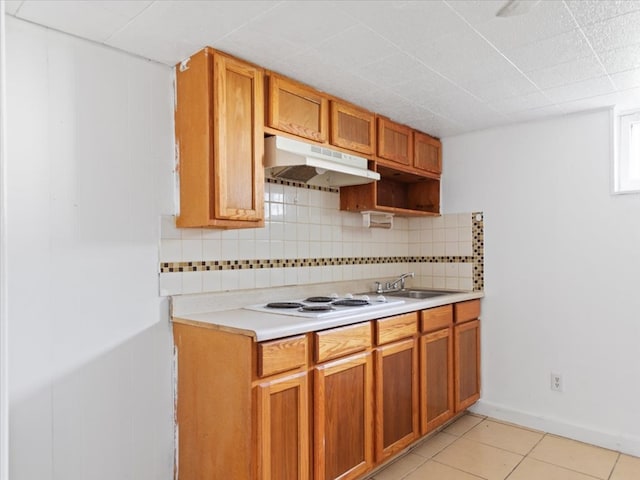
x,y
219,131
427,153
297,109
352,128
395,142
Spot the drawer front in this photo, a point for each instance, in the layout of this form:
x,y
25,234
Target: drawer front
x,y
436,318
465,311
338,342
396,328
281,355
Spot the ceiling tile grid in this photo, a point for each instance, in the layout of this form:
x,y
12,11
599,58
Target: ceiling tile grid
x,y
442,66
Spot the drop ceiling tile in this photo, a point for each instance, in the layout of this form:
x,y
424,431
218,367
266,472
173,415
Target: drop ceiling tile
x,y
522,102
579,90
591,11
569,72
625,100
621,59
547,19
392,70
12,6
424,83
258,47
627,80
503,88
85,19
550,51
303,23
616,32
536,114
411,26
355,47
169,31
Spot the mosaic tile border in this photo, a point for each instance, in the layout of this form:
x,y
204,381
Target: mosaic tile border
x,y
167,267
477,230
477,259
291,183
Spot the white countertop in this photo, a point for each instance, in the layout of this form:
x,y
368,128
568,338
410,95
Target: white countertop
x,y
268,326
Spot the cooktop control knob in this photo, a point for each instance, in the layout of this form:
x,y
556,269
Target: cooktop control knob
x,y
348,295
364,297
381,299
335,296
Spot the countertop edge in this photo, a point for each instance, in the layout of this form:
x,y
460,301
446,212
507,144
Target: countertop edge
x,y
267,326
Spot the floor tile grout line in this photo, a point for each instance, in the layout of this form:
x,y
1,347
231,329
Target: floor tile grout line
x,y
615,464
459,469
525,456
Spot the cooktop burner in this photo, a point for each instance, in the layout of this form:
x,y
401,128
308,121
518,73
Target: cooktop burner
x,y
284,305
351,302
326,306
316,308
319,299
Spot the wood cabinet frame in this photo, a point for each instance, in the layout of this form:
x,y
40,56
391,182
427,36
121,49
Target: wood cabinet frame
x,y
264,427
320,454
340,136
381,353
427,425
465,370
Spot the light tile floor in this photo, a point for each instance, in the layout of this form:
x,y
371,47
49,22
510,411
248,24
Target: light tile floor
x,y
476,448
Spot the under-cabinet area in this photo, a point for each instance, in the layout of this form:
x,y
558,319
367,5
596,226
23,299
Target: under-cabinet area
x,y
330,403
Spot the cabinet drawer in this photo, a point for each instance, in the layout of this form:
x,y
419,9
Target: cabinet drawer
x,y
281,355
396,328
436,318
465,311
341,341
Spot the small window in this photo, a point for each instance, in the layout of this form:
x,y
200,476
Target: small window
x,y
627,165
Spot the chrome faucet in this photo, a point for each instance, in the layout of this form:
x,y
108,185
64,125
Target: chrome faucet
x,y
396,285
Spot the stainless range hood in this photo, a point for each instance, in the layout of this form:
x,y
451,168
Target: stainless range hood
x,y
298,161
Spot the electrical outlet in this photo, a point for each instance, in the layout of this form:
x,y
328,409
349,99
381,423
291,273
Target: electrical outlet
x,y
556,382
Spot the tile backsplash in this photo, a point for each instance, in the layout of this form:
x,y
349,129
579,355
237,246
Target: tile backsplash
x,y
307,239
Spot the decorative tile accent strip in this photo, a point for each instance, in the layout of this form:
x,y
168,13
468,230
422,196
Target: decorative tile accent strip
x,y
291,183
477,259
478,250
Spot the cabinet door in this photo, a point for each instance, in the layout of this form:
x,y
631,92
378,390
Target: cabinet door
x,y
436,379
396,397
239,140
219,134
427,153
297,109
467,364
352,128
395,142
282,429
343,418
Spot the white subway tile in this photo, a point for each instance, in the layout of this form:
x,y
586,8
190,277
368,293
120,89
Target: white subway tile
x,y
276,249
191,233
439,269
211,250
451,249
439,249
229,249
276,212
451,269
452,283
465,248
246,279
465,270
276,231
231,234
426,249
263,277
464,220
170,283
439,235
229,280
170,250
191,282
192,250
214,233
303,196
303,249
246,250
465,234
437,222
451,234
439,282
290,213
276,193
303,275
290,249
290,194
263,249
450,220
211,281
465,284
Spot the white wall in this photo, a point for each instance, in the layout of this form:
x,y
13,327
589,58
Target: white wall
x,y
562,276
89,174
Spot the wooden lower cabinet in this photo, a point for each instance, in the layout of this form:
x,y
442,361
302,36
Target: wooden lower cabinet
x,y
396,397
436,388
343,418
282,428
467,364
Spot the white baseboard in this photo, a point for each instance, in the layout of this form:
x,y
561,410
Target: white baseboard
x,y
618,441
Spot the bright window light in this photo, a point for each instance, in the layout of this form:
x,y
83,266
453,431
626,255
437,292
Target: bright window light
x,y
627,166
